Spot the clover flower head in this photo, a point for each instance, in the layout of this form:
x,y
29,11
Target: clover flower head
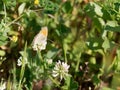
x,y
60,70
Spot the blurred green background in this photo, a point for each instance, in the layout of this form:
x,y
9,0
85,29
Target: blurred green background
x,y
83,33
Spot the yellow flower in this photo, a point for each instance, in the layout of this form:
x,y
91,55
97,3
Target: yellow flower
x,y
36,2
14,38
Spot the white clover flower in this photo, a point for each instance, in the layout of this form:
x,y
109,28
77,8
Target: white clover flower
x,y
40,40
60,70
2,85
20,62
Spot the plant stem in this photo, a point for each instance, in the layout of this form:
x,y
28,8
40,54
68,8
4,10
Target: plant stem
x,y
14,20
65,57
54,81
78,62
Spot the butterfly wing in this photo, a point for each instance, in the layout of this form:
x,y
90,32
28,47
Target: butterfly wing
x,y
40,40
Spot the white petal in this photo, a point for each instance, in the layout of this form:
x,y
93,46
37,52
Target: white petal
x,y
55,74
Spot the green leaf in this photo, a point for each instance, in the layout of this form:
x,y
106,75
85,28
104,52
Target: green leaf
x,y
112,23
94,43
73,85
49,6
117,6
21,8
115,81
93,9
2,53
63,30
89,10
67,7
97,9
112,26
106,14
3,43
3,40
52,53
96,80
106,44
70,84
99,22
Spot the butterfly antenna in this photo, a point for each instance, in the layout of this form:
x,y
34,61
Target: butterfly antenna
x,y
50,40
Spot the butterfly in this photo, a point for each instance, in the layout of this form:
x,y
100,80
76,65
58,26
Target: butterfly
x,y
40,40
